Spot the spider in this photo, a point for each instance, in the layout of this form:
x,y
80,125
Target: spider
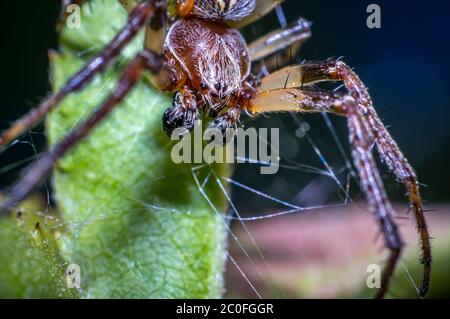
x,y
201,56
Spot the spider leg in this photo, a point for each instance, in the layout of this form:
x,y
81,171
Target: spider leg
x,y
138,17
298,100
296,76
64,13
169,76
335,70
155,32
376,195
280,39
36,173
392,156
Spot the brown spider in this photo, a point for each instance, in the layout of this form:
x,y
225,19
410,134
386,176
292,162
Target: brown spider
x,y
205,60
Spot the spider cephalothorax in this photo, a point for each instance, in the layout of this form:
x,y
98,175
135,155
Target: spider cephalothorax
x,y
208,65
215,61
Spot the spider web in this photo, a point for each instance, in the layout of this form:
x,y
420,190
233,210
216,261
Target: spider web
x,y
316,174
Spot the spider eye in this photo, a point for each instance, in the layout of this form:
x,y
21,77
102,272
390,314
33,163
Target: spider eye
x,y
203,85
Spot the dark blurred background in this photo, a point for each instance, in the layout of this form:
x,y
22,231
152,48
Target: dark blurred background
x,y
405,64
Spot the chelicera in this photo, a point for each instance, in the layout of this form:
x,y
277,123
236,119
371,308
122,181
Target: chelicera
x,y
202,57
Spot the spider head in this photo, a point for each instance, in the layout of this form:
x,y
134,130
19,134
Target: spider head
x,y
223,10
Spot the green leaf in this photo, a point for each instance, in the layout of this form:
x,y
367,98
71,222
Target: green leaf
x,y
135,223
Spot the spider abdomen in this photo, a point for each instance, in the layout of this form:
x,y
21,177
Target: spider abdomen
x,y
213,55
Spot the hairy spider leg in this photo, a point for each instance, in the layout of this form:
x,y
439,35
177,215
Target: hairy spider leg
x,y
274,95
155,29
279,48
393,157
137,19
35,174
307,101
296,33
